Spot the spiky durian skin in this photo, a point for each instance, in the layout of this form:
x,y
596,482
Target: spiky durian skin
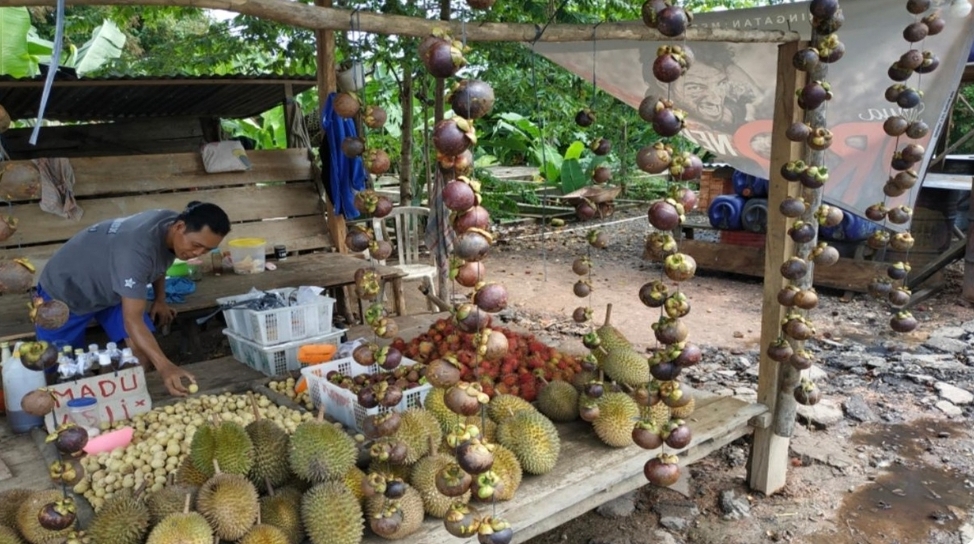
x,y
321,452
353,481
332,515
508,469
227,443
9,536
433,403
559,401
28,525
423,479
658,413
123,520
188,528
188,474
612,338
411,505
271,447
283,510
417,429
684,411
626,365
229,502
10,501
503,407
264,534
169,500
533,439
618,414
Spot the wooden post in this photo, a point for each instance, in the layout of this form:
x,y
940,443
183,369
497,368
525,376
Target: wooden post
x,y
327,84
288,115
968,288
436,184
406,140
768,464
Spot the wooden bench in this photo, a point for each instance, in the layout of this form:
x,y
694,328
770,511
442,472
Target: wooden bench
x,y
278,199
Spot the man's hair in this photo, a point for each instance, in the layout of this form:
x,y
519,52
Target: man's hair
x,y
204,214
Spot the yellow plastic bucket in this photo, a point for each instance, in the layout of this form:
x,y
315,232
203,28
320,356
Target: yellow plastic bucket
x,y
247,255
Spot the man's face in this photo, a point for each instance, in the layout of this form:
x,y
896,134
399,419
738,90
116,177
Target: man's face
x,y
702,92
189,245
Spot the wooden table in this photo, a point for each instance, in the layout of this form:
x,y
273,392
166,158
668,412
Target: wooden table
x,y
332,271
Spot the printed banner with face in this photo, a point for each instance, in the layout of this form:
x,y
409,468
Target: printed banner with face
x,y
728,92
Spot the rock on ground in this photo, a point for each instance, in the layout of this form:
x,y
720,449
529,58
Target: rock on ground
x,y
948,345
948,408
954,394
856,409
676,516
734,508
826,412
620,507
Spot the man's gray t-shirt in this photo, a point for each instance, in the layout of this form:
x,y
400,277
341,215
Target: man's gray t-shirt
x,y
113,259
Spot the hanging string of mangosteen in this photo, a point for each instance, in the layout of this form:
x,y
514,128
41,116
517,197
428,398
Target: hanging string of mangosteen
x,y
69,441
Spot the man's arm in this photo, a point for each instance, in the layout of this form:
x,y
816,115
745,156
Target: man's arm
x,y
159,310
144,343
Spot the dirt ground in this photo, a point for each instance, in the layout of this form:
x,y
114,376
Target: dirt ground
x,y
878,461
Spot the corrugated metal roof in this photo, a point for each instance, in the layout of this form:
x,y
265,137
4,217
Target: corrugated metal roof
x,y
108,98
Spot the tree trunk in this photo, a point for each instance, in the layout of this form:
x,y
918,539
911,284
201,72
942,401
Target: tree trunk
x,y
406,140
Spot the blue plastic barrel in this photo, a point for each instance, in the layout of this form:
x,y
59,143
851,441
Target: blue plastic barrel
x,y
754,215
741,183
759,188
725,212
856,228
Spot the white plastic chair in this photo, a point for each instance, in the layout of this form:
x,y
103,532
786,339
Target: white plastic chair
x,y
409,226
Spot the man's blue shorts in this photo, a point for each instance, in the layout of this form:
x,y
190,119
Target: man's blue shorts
x,y
72,333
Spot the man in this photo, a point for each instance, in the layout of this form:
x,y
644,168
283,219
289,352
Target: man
x,y
103,273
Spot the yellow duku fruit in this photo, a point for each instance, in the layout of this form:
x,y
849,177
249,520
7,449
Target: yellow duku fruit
x,y
271,447
332,515
229,502
226,443
182,528
283,510
321,452
123,520
559,401
264,534
9,536
411,505
169,500
10,501
417,429
618,414
503,407
423,478
533,439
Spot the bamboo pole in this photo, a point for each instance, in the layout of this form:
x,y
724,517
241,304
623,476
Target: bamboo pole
x,y
327,84
327,18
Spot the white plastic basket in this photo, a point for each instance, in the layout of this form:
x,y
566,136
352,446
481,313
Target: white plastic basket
x,y
271,327
342,404
275,360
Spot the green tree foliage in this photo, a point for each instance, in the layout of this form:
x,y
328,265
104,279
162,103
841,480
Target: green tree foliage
x,y
963,121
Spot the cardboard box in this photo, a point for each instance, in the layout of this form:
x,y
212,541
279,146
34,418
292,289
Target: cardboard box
x,y
120,395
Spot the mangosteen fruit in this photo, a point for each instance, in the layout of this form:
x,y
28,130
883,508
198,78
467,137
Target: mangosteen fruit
x,y
646,435
582,314
387,521
805,59
443,372
786,296
794,268
453,136
806,299
917,129
601,174
473,245
679,267
353,147
601,146
798,132
582,266
916,7
900,215
672,21
898,72
653,294
780,350
375,117
878,239
39,355
647,107
912,152
911,60
796,327
879,287
57,515
376,161
659,245
470,273
899,297
892,190
585,210
459,196
16,276
492,297
802,232
472,99
380,250
452,481
792,170
686,196
386,424
667,68
585,118
49,314
830,49
687,356
494,530
464,398
677,305
347,105
829,216
667,120
905,179
663,470
792,207
651,8
894,91
829,25
909,98
814,177
665,214
443,58
664,370
876,212
69,439
814,94
461,165
916,32
670,331
903,322
654,159
471,319
459,521
582,288
825,255
474,457
901,241
476,217
365,354
686,166
597,239
395,488
38,402
898,270
389,357
934,22
678,434
390,396
895,126
806,393
823,9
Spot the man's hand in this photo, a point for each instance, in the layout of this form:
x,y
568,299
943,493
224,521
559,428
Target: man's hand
x,y
172,377
161,313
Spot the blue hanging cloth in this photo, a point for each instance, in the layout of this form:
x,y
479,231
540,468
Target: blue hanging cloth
x,y
345,176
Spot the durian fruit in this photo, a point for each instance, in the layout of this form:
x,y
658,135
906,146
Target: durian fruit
x,y
27,523
396,471
271,447
411,505
169,500
124,519
685,411
321,451
9,536
581,379
230,503
423,478
183,527
353,481
225,442
503,407
508,469
618,414
282,509
332,515
658,413
610,337
263,533
187,474
10,501
417,429
533,439
487,426
559,401
616,356
434,404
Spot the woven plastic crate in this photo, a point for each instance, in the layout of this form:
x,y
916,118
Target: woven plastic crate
x,y
271,327
342,404
275,360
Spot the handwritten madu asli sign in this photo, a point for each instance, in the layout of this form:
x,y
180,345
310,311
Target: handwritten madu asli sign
x,y
120,395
